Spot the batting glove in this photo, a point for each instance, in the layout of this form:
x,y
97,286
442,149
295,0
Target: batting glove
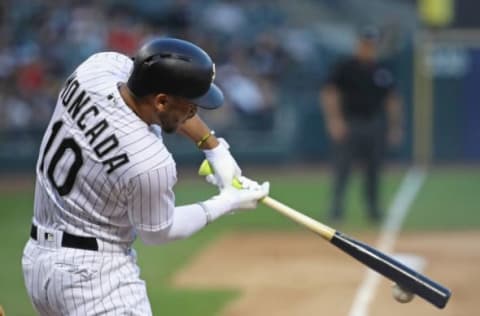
x,y
223,164
231,198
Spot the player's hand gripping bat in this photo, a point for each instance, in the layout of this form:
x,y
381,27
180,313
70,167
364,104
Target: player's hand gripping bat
x,y
382,263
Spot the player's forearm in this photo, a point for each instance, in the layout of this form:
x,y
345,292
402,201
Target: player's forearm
x,y
196,130
330,101
394,111
187,220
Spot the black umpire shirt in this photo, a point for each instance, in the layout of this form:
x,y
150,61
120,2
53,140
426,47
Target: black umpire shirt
x,y
363,87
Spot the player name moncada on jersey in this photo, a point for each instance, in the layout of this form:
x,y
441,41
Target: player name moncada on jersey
x,y
80,107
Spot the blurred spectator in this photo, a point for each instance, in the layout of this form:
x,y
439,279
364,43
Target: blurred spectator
x,y
123,35
226,17
31,76
250,96
267,57
17,112
179,17
86,33
41,42
362,111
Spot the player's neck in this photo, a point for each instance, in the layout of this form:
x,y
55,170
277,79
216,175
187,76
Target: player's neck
x,y
132,102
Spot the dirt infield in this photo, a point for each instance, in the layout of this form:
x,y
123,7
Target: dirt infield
x,y
298,274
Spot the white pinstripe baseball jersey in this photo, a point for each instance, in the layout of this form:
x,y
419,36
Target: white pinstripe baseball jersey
x,y
102,175
99,162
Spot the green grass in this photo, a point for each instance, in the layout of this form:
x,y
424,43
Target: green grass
x,y
448,200
15,210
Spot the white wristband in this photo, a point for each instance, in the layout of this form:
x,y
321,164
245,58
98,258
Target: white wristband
x,y
208,215
215,207
219,151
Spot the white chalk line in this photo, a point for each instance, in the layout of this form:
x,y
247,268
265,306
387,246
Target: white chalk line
x,y
397,213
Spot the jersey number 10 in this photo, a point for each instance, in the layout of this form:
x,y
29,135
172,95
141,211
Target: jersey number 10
x,y
71,173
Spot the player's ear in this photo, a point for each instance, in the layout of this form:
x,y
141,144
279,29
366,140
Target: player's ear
x,y
160,101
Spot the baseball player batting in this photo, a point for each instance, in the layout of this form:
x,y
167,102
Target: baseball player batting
x,y
104,176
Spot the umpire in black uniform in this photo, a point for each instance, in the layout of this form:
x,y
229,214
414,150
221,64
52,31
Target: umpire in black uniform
x,y
362,112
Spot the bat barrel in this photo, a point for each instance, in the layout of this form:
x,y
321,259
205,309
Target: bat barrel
x,y
407,278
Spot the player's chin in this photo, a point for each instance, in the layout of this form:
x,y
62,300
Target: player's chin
x,y
172,127
169,126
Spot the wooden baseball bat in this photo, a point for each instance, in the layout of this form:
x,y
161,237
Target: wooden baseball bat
x,y
380,262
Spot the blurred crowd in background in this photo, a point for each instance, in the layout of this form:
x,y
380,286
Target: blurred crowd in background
x,y
267,53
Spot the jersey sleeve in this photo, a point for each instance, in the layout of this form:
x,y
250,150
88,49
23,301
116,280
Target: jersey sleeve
x,y
152,201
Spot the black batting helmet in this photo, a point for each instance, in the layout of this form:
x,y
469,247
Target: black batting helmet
x,y
176,67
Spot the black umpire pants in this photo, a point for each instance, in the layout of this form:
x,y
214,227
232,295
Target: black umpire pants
x,y
366,143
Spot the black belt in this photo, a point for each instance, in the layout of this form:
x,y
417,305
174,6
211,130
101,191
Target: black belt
x,y
71,241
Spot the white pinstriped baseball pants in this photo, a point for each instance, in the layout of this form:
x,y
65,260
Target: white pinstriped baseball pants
x,y
66,281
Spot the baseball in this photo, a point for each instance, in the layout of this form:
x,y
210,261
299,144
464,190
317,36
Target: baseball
x,y
401,295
